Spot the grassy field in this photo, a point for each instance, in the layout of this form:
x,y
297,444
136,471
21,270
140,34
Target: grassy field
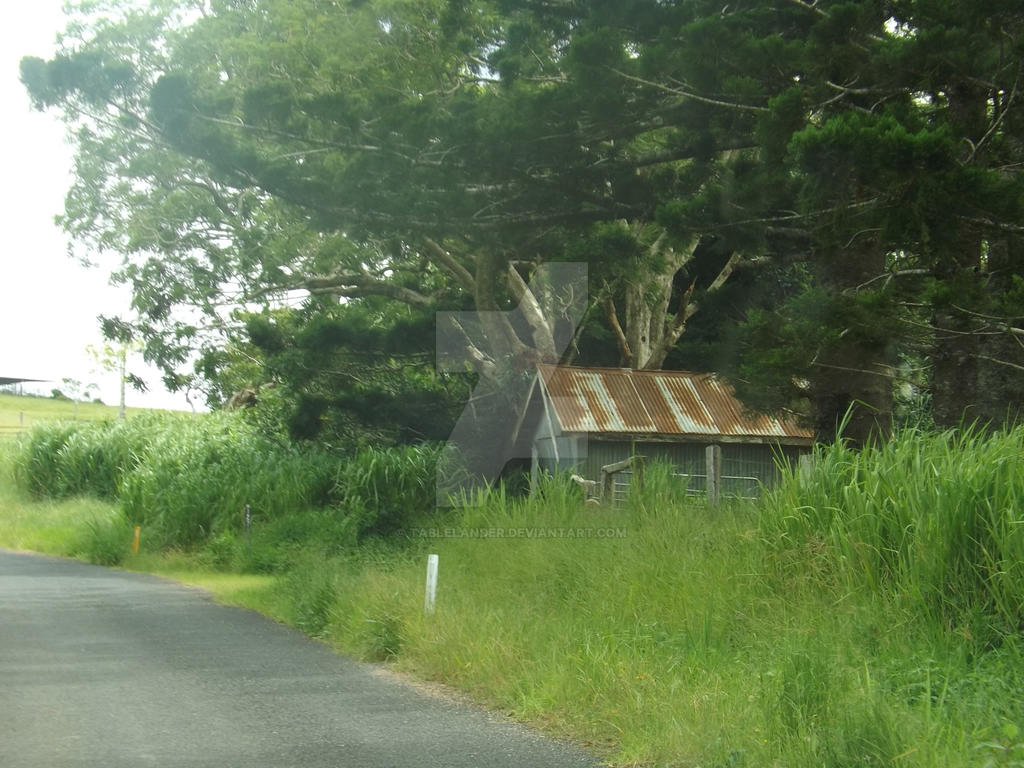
x,y
19,413
869,614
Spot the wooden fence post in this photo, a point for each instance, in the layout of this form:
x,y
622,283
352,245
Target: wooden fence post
x,y
713,470
607,486
638,472
608,472
534,469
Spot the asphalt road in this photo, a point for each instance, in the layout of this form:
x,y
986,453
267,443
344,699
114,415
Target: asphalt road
x,y
105,668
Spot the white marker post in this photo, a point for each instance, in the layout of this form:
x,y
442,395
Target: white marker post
x,y
428,600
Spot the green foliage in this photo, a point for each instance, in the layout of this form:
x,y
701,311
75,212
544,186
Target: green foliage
x,y
36,467
386,489
62,459
342,375
199,476
685,637
310,590
105,541
188,479
412,150
928,519
381,638
96,460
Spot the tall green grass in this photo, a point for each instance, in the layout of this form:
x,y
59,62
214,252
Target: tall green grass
x,y
60,459
935,521
671,633
189,479
37,463
389,488
81,526
197,477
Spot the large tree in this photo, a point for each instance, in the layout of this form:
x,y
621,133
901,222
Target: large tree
x,y
415,150
904,151
437,152
922,170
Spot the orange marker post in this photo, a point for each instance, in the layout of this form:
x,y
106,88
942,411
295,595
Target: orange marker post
x,y
135,540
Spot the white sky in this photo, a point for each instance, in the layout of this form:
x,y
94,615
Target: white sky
x,y
48,302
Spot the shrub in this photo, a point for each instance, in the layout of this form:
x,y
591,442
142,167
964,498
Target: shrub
x,y
311,590
183,478
95,459
187,479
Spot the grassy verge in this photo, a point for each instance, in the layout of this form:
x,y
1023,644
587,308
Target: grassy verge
x,y
687,641
76,527
51,527
831,625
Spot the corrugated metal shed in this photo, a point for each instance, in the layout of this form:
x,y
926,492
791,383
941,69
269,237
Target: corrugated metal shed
x,y
624,401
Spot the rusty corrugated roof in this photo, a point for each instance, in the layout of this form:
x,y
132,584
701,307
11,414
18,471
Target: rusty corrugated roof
x,y
620,400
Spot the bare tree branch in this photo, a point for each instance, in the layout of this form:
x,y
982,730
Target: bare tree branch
x,y
350,284
999,225
686,310
813,8
887,374
292,136
887,276
440,256
794,216
1007,363
625,353
688,95
483,364
540,328
995,123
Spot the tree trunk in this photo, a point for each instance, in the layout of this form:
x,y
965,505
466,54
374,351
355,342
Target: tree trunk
x,y
650,332
956,373
639,316
954,370
998,358
852,395
851,387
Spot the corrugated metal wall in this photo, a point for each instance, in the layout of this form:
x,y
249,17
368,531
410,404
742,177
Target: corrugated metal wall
x,y
745,468
687,458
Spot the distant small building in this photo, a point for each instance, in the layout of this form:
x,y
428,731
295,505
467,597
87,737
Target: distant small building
x,y
581,419
12,384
